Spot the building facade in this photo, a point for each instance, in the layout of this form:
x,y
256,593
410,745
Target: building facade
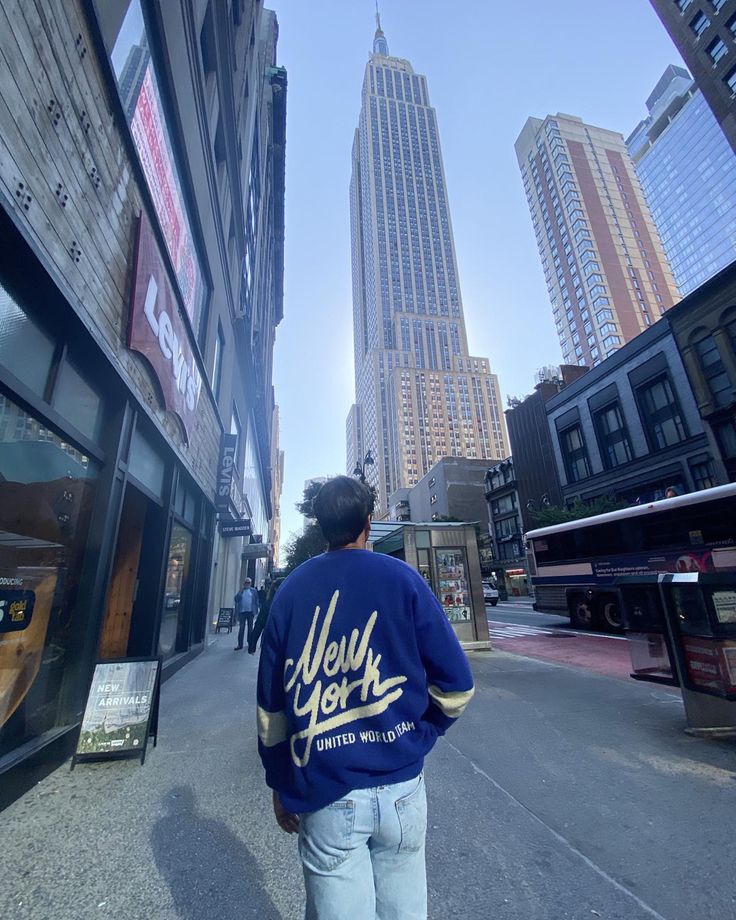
x,y
630,428
704,32
452,488
419,394
506,528
537,481
132,342
705,330
605,268
687,171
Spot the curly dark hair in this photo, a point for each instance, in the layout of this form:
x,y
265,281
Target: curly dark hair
x,y
342,507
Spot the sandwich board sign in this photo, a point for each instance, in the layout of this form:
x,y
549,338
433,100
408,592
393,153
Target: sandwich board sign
x,y
225,619
121,711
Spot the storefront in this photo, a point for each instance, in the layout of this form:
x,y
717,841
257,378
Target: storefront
x,y
105,536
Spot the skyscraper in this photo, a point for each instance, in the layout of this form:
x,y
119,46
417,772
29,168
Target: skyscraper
x,y
687,171
419,394
704,33
606,272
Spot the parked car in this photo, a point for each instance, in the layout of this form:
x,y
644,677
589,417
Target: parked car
x,y
490,593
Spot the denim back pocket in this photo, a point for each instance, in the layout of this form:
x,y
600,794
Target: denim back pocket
x,y
412,812
325,836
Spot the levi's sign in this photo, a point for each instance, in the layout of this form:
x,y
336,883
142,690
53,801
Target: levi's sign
x,y
157,331
228,445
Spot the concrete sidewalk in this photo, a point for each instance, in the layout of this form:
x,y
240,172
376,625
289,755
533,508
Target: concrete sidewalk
x,y
560,794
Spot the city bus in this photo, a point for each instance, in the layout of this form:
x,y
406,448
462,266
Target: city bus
x,y
574,566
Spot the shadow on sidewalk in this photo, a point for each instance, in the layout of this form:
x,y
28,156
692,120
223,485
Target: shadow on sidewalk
x,y
206,867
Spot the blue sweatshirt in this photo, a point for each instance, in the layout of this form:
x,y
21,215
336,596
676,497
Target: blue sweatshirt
x,y
360,672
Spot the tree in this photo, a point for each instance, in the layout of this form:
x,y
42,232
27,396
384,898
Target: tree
x,y
311,542
310,492
304,545
546,517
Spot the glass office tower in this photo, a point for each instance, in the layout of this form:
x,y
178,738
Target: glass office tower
x,y
687,171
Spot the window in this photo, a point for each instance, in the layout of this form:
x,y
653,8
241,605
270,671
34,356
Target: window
x,y
703,475
661,415
25,349
574,454
717,49
699,23
237,430
731,25
217,362
683,4
714,372
730,80
613,438
717,4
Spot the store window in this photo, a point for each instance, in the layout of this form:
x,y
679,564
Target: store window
x,y
172,636
24,347
47,492
76,399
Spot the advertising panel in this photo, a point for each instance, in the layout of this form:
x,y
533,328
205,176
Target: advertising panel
x,y
119,708
453,587
156,331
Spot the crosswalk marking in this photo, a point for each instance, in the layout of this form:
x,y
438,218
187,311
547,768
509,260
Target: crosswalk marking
x,y
518,631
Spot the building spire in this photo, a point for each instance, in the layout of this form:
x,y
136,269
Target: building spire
x,y
380,45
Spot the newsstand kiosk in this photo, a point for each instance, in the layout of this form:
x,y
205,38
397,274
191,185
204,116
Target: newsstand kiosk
x,y
446,556
681,630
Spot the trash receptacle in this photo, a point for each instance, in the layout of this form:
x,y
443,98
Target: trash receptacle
x,y
645,627
701,617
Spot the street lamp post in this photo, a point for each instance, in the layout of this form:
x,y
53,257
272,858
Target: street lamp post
x,y
359,470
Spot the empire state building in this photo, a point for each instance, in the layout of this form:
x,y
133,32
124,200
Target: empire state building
x,y
419,394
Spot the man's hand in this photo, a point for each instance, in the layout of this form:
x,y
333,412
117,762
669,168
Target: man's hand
x,y
285,819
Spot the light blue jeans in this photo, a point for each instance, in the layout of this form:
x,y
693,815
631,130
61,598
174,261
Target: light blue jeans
x,y
363,856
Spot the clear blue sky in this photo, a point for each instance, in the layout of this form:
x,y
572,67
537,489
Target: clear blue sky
x,y
489,65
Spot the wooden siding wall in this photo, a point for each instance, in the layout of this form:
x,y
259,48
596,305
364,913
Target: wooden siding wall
x,y
66,177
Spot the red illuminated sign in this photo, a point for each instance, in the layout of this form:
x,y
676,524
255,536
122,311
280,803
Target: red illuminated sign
x,y
156,330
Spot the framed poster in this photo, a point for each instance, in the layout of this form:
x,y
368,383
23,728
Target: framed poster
x,y
452,584
121,711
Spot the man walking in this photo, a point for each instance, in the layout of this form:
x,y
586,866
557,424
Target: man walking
x,y
246,605
360,672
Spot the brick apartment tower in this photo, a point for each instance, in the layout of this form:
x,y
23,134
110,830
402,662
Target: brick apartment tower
x,y
704,32
419,394
606,271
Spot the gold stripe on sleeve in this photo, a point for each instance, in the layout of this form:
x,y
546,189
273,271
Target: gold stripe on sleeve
x,y
272,727
453,702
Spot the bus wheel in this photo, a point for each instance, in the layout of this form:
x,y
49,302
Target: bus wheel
x,y
610,616
581,612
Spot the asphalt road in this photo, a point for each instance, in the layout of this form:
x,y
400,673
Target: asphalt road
x,y
561,794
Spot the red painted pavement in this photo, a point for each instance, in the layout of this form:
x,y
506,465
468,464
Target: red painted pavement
x,y
599,654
